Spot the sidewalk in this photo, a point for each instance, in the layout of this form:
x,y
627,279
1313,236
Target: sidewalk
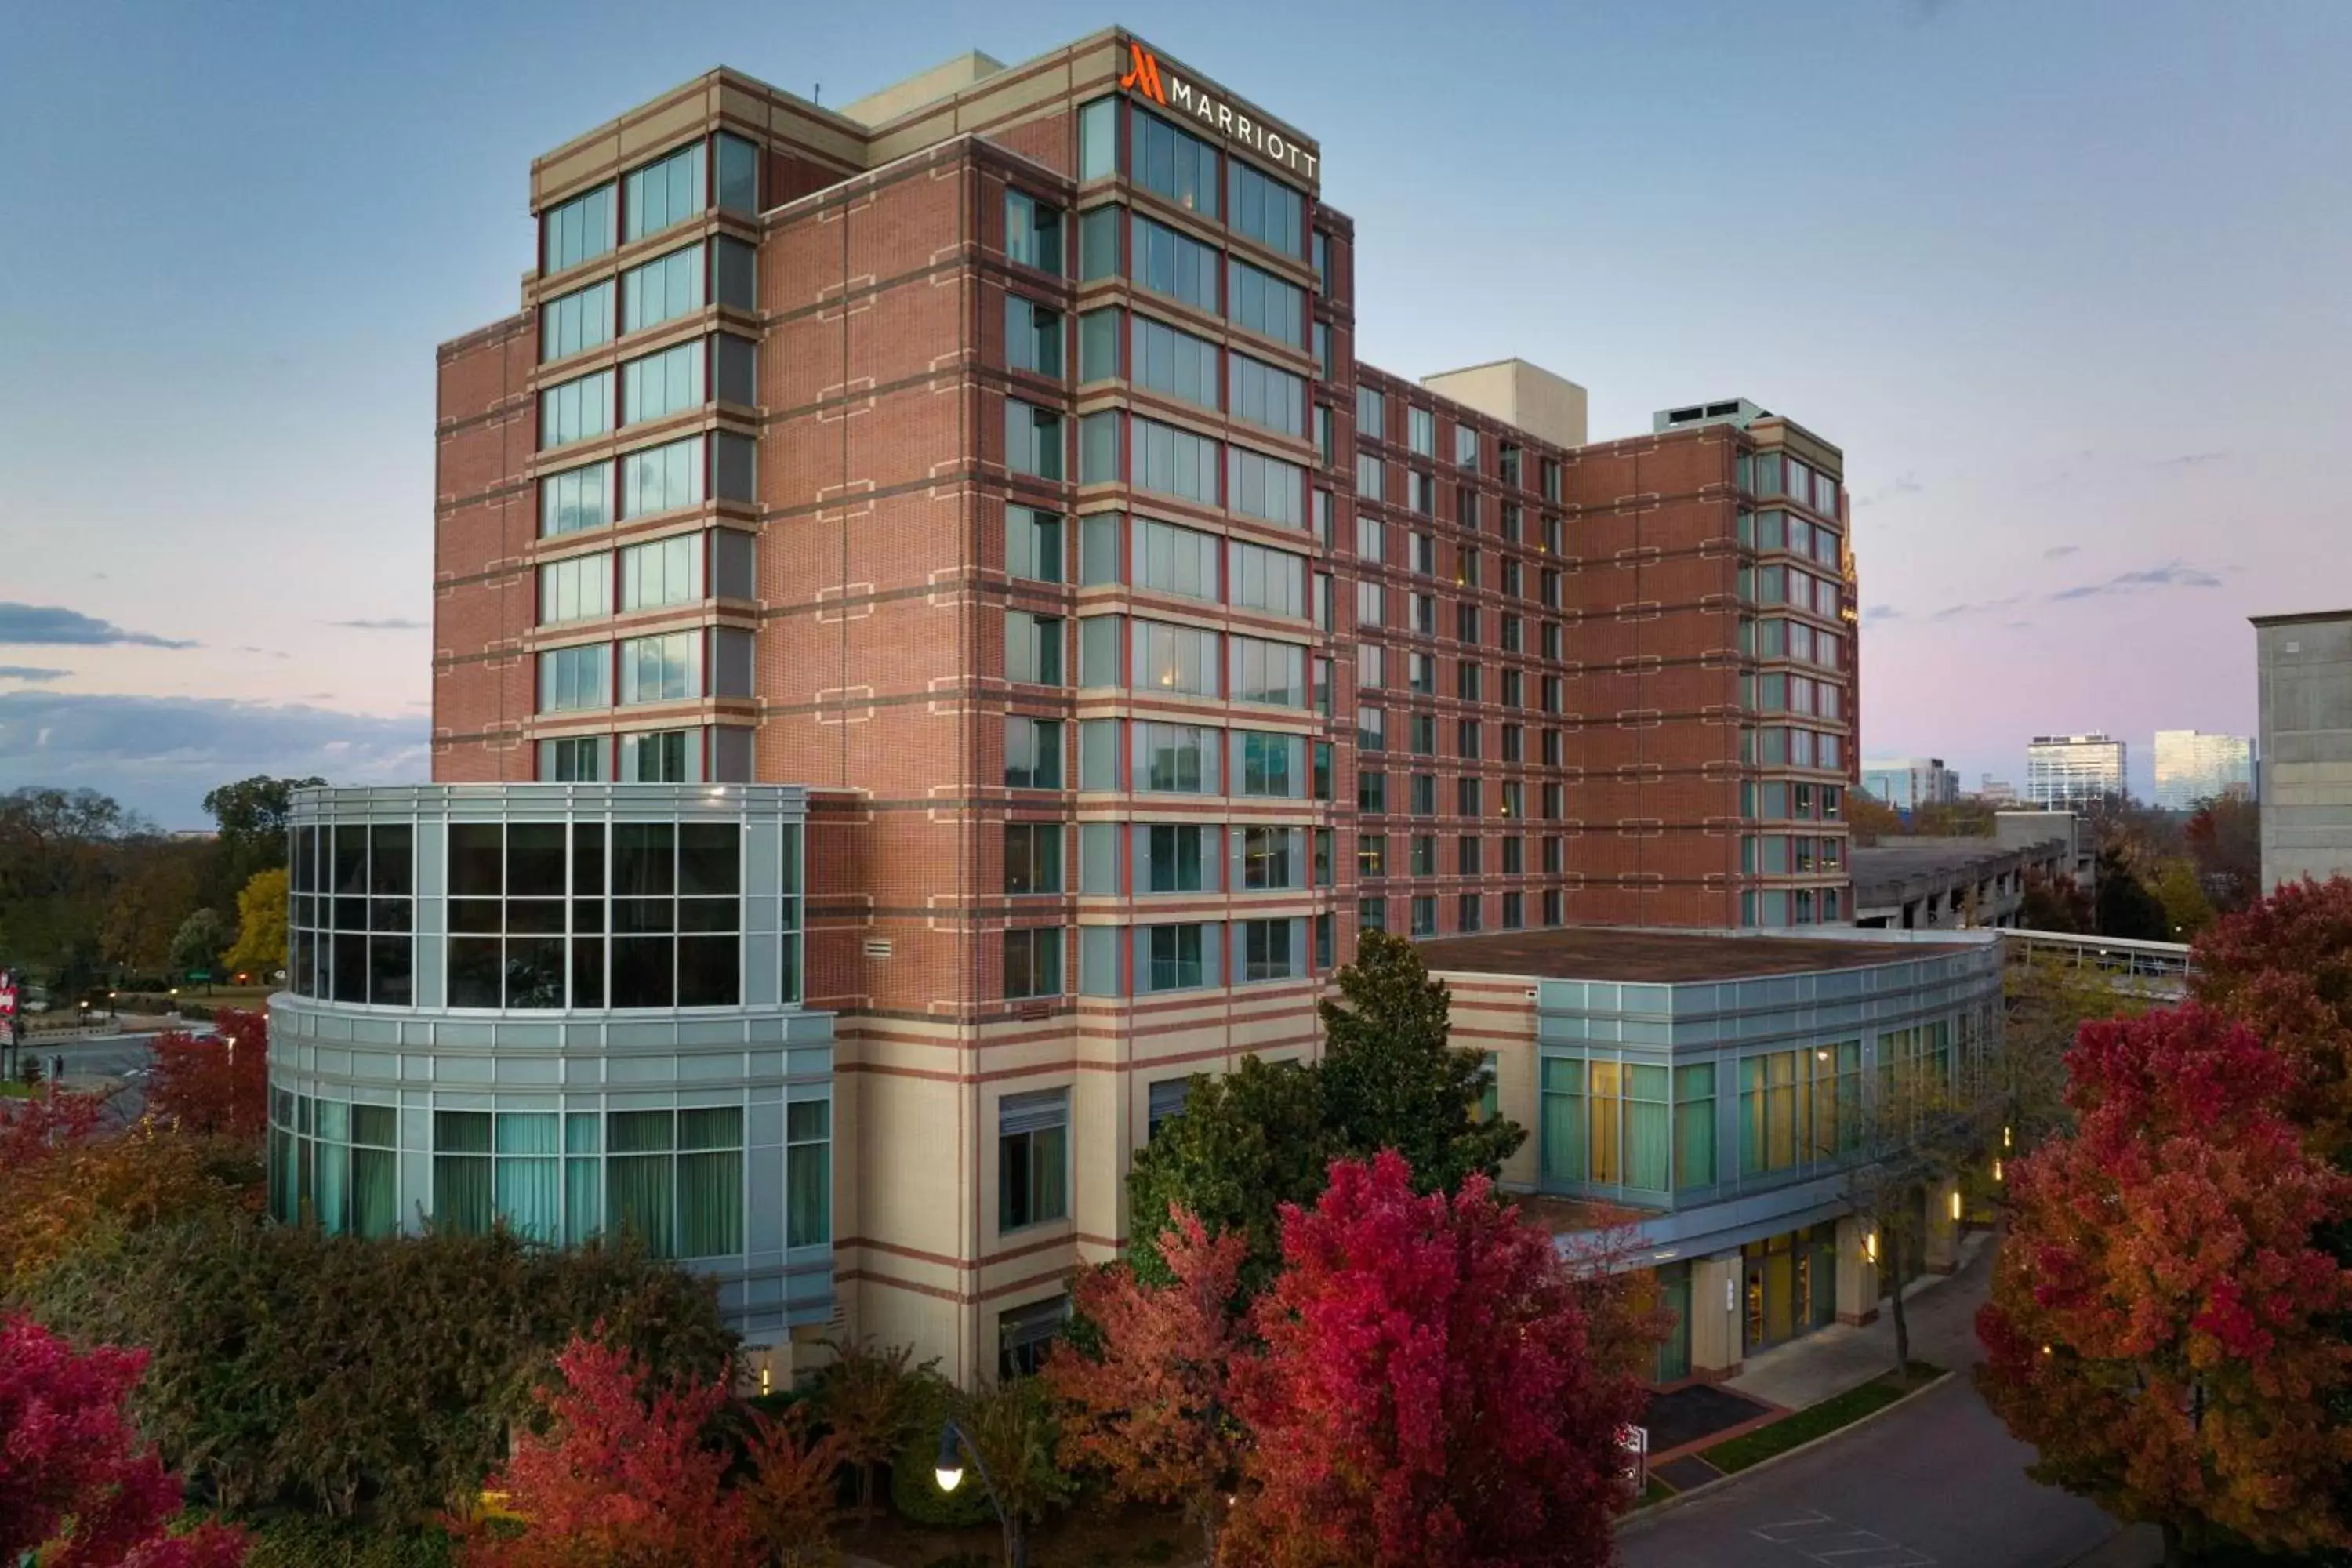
x,y
1940,1310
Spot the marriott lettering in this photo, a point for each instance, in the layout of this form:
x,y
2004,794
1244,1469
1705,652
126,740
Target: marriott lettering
x,y
1144,78
1186,99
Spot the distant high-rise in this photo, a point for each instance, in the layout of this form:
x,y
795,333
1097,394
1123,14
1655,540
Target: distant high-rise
x,y
1997,792
1907,783
2191,765
2304,666
2067,770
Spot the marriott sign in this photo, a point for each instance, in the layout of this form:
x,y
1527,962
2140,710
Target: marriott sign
x,y
1147,77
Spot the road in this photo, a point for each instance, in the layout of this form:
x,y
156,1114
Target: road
x,y
1940,1480
114,1058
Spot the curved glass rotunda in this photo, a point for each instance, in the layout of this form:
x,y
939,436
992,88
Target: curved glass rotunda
x,y
569,1008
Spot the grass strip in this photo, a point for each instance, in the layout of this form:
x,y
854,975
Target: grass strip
x,y
1816,1420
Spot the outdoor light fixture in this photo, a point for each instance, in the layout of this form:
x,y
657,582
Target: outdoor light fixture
x,y
1996,1170
1870,1245
948,1473
1955,1202
947,1470
2005,1141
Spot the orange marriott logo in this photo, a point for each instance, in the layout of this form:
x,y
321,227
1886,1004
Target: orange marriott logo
x,y
1145,78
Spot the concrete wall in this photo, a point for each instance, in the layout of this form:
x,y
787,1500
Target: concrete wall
x,y
2303,666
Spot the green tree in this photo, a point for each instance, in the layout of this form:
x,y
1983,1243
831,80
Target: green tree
x,y
252,815
2187,910
197,944
157,891
1013,1427
350,1375
1921,1128
1246,1143
1392,1079
260,944
2225,839
2023,1077
2125,907
62,855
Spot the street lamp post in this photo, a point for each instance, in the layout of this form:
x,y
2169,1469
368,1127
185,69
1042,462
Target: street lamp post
x,y
948,1473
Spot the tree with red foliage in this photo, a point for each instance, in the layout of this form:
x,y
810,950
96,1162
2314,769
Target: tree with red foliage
x,y
620,1479
214,1086
1154,1408
2225,840
1426,1391
2159,1323
75,1480
2283,968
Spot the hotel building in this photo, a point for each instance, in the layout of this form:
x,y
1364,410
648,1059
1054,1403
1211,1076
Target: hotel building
x,y
989,459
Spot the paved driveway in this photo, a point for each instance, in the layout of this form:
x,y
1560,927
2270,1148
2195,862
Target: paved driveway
x,y
1938,1480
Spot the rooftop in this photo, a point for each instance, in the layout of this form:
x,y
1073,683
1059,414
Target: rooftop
x,y
2301,617
1617,952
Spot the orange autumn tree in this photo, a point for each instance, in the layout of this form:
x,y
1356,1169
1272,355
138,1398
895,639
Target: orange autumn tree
x,y
624,1476
1152,1408
2159,1327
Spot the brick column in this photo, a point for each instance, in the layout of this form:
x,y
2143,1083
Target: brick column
x,y
1858,1273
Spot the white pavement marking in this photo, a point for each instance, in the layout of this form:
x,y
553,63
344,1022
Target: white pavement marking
x,y
1827,1541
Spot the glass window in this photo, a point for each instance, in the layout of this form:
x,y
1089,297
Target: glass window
x,y
1269,672
1177,364
576,322
576,410
1270,859
1175,560
1033,336
1270,950
662,479
1372,412
1173,264
1274,581
664,571
1269,765
573,678
1172,163
808,1172
1371,477
739,176
1172,658
661,756
1099,139
1267,210
1032,232
667,191
735,369
663,383
1033,753
1267,487
1033,439
1098,449
1167,1099
661,289
1175,957
576,589
1265,304
1033,962
735,272
1032,1154
1174,857
1032,648
1098,345
666,668
1099,242
1032,544
1421,431
1175,461
575,760
578,230
1180,759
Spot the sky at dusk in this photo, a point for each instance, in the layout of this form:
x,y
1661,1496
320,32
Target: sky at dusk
x,y
2068,283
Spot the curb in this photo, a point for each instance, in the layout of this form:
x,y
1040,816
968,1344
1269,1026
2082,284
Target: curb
x,y
1628,1521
